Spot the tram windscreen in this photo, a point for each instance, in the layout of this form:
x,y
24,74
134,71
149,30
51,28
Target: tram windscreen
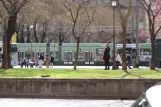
x,y
128,50
13,48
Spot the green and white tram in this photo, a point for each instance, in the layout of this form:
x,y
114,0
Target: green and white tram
x,y
89,53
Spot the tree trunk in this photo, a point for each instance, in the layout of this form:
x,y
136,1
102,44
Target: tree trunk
x,y
22,40
124,51
28,35
76,57
153,59
17,32
5,61
35,32
6,41
44,30
59,54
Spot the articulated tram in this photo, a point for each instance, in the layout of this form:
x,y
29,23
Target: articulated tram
x,y
89,53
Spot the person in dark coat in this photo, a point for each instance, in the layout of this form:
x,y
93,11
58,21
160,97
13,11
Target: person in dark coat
x,y
52,61
106,57
128,59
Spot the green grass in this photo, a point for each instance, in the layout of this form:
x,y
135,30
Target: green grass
x,y
80,73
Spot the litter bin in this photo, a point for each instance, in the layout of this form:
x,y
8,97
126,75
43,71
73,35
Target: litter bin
x,y
158,52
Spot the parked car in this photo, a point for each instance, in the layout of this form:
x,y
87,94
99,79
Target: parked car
x,y
151,98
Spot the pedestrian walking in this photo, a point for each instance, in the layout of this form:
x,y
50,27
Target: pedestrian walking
x,y
36,62
51,61
118,60
47,61
27,63
41,58
128,60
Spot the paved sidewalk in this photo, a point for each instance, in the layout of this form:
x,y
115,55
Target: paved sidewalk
x,y
13,102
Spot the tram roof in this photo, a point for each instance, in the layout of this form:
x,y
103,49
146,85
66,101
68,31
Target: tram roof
x,y
145,45
127,45
64,44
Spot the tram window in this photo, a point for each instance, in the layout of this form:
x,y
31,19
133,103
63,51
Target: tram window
x,y
145,51
42,53
80,55
134,53
128,50
100,52
0,49
37,55
22,54
65,56
87,56
25,54
13,49
18,54
91,56
56,55
33,55
70,57
51,53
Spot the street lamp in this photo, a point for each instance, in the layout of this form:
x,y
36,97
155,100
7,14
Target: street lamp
x,y
114,4
31,27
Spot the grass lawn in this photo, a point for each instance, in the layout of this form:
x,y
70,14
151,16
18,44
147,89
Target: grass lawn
x,y
80,73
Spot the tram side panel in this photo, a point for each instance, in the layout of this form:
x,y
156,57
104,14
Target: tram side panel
x,y
89,54
145,54
86,56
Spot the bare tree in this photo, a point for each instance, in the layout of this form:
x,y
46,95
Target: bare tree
x,y
12,8
75,13
153,10
28,40
22,39
34,29
124,22
35,14
44,31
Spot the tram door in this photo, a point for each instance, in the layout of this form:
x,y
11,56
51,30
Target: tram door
x,y
21,56
68,57
37,54
89,57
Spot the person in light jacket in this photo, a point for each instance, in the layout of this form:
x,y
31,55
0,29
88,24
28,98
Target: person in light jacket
x,y
118,60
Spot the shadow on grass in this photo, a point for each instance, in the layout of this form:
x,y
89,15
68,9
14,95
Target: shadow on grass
x,y
157,70
2,70
130,74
